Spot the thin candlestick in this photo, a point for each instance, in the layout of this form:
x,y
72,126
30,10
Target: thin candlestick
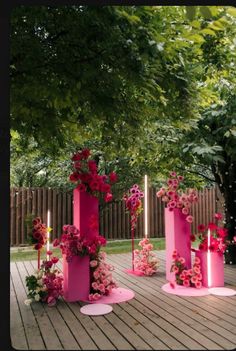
x,y
209,280
48,234
145,206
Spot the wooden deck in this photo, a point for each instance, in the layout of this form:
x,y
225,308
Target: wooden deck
x,y
153,320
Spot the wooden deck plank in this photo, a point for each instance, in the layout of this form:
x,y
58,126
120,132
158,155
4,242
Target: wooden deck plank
x,y
160,277
125,331
152,320
170,315
61,336
18,337
209,333
32,331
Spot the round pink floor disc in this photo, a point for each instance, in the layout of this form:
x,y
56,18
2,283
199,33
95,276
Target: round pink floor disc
x,y
222,291
183,291
116,296
134,272
96,309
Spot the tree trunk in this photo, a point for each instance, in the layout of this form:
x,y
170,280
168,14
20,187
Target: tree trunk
x,y
225,177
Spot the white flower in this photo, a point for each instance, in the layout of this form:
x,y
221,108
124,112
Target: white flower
x,y
37,297
37,289
28,302
40,274
40,282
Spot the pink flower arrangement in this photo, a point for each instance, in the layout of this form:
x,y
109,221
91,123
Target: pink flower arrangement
x,y
102,282
187,277
218,242
38,237
133,203
145,260
72,243
176,198
85,176
46,285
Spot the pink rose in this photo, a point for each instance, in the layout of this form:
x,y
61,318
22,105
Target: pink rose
x,y
218,216
93,263
186,283
189,219
180,178
108,197
198,285
175,269
113,177
185,211
54,259
81,187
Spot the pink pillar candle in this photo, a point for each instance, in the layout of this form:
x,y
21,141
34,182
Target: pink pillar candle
x,y
212,268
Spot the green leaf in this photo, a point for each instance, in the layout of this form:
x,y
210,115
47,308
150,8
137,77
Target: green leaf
x,y
190,12
231,11
195,24
206,12
197,38
208,31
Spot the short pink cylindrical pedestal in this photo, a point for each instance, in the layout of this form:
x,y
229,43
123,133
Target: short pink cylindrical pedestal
x,y
177,235
85,212
212,268
76,282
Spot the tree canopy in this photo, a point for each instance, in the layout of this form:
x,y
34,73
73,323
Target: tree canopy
x,y
147,88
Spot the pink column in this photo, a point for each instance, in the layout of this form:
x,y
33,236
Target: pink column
x,y
76,278
177,236
212,275
86,213
77,272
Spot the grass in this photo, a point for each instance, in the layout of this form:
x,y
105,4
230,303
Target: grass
x,y
112,247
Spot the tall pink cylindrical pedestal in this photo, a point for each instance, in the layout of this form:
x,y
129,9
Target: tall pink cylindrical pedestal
x,y
85,212
177,235
212,268
76,282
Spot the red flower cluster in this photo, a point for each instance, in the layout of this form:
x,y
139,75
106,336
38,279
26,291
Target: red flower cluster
x,y
186,277
218,242
38,236
85,176
175,198
46,284
133,203
72,243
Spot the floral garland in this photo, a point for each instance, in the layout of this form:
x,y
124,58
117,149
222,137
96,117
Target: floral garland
x,y
187,277
218,234
46,284
176,198
38,236
85,176
102,282
145,260
133,203
72,244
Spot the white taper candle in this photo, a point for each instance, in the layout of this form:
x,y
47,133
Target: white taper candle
x,y
48,234
209,280
145,206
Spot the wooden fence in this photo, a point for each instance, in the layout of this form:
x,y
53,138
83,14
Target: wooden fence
x,y
114,221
